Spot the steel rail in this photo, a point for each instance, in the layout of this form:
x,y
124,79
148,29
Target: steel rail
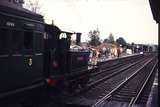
x,y
134,99
120,85
106,77
113,74
102,70
114,67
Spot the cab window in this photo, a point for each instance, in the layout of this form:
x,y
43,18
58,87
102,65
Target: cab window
x,y
38,41
28,40
17,41
4,41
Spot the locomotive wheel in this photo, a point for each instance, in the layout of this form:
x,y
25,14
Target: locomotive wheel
x,y
84,81
69,88
72,88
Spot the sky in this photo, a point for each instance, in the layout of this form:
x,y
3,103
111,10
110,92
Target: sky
x,y
130,19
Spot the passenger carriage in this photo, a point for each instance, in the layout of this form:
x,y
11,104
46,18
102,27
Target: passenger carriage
x,y
21,50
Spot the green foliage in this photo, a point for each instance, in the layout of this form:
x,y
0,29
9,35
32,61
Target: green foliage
x,y
33,5
106,41
121,41
111,38
94,37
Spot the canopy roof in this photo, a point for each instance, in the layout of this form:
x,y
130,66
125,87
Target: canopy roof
x,y
155,8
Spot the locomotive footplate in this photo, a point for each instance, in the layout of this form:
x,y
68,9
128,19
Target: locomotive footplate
x,y
78,101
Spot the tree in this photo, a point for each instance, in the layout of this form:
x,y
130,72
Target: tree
x,y
129,46
33,5
94,38
121,41
106,40
111,38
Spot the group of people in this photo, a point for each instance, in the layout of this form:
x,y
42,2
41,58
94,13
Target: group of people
x,y
115,52
103,53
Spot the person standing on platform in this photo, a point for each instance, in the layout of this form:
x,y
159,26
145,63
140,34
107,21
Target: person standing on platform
x,y
118,52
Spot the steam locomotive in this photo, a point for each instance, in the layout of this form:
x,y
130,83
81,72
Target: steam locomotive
x,y
33,53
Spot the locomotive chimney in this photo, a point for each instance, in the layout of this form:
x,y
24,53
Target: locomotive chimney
x,y
78,38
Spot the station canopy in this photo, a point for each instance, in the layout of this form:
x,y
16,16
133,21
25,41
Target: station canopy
x,y
155,8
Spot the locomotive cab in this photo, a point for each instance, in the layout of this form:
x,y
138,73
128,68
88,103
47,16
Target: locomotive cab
x,y
63,64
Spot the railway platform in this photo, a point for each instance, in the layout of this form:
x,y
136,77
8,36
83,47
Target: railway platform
x,y
114,58
153,97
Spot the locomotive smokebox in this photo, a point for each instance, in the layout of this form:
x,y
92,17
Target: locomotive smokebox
x,y
78,38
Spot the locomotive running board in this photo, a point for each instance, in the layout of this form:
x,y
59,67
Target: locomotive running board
x,y
3,95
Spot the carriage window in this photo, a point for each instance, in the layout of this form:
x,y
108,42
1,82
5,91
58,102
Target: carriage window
x,y
28,40
38,41
4,40
17,40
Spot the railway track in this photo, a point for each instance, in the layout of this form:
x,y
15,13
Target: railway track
x,y
145,94
98,79
118,65
114,80
93,96
113,70
115,63
137,97
129,90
